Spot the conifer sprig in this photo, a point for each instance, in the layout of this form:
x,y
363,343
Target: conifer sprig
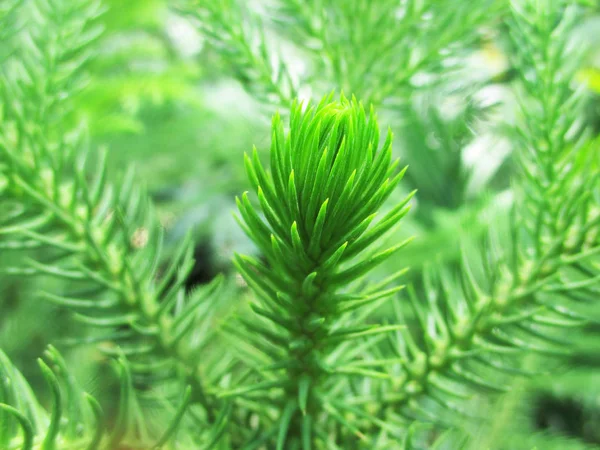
x,y
103,240
329,178
238,34
518,295
375,49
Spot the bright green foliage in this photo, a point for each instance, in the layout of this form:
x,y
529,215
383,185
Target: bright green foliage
x,y
25,424
105,243
47,67
344,42
327,183
102,240
239,36
318,346
357,57
137,71
76,420
517,295
8,26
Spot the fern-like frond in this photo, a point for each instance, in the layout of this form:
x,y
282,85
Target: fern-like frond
x,y
532,282
102,239
106,244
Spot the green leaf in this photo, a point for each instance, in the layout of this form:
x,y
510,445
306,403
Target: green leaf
x,y
303,392
284,423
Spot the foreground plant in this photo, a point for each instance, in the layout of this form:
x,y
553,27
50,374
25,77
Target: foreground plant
x,y
327,184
